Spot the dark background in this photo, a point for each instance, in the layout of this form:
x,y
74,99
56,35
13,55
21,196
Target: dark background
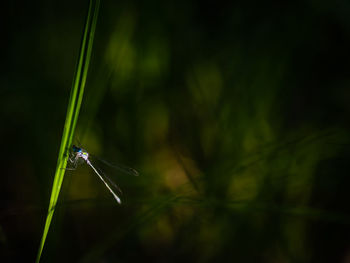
x,y
236,115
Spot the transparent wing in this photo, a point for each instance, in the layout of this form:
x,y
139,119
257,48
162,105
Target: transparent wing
x,y
108,182
119,167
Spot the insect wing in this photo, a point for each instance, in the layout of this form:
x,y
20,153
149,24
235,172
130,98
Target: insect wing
x,y
118,167
109,181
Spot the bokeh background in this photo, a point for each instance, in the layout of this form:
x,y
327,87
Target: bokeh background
x,y
235,114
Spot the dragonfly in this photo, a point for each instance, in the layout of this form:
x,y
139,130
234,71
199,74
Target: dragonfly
x,y
79,154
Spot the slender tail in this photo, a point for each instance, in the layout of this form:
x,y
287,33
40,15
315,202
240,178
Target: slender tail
x,y
115,196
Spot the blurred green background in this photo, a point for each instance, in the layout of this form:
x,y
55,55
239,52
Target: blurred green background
x,y
236,116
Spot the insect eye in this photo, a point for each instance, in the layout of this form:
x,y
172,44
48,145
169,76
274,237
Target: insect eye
x,y
76,149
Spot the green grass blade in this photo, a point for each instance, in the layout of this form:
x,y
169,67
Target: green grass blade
x,y
73,109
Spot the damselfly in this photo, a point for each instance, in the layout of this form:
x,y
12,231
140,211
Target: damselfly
x,y
78,154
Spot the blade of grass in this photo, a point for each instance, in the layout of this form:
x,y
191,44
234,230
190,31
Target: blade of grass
x,y
76,96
